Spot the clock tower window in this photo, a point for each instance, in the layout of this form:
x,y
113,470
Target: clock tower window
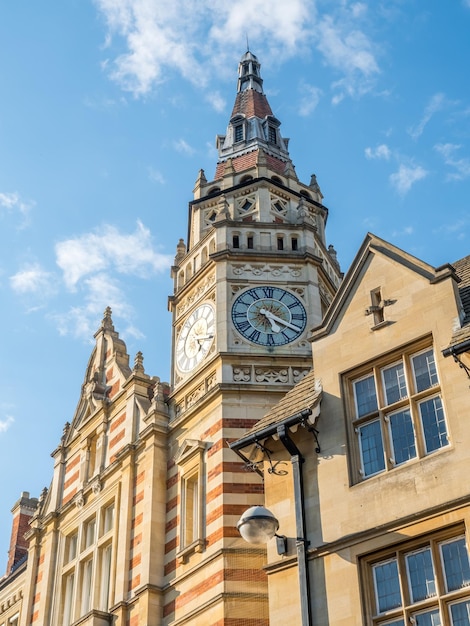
x,y
272,134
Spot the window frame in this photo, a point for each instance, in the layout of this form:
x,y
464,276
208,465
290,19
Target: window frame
x,y
85,565
362,408
442,600
192,485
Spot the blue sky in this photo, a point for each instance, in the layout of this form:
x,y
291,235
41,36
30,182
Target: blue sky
x,y
108,110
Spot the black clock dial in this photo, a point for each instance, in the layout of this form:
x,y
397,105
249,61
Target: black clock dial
x,y
269,316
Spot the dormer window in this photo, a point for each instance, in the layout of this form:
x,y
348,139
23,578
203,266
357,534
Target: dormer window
x,y
272,135
238,132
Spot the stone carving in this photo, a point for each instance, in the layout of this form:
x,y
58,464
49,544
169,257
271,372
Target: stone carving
x,y
288,271
271,375
242,374
211,381
79,500
325,293
196,293
297,375
194,396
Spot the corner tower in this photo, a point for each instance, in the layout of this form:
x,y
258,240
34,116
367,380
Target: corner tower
x,y
254,276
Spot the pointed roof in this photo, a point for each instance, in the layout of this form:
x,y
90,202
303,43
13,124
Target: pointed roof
x,y
250,101
252,128
107,370
370,245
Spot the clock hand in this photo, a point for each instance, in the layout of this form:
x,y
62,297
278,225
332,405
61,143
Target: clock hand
x,y
271,317
275,327
200,338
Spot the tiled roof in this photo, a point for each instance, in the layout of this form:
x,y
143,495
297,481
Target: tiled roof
x,y
462,269
305,395
251,103
249,159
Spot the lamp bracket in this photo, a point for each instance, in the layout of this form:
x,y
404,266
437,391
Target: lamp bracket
x,y
311,429
461,364
272,469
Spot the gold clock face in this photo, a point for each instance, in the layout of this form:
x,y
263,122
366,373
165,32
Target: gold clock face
x,y
195,338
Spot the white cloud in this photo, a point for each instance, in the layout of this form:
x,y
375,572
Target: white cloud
x,y
33,279
380,152
216,101
406,230
100,290
108,249
309,100
156,176
436,104
5,423
12,203
461,166
148,34
182,146
348,50
455,230
406,176
281,25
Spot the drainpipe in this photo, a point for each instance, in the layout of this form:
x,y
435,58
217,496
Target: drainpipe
x,y
301,540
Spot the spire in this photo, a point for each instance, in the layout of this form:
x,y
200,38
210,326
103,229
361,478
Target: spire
x,y
252,125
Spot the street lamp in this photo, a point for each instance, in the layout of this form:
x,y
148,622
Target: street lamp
x,y
258,525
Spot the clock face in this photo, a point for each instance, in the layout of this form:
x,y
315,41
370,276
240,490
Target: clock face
x,y
195,338
269,316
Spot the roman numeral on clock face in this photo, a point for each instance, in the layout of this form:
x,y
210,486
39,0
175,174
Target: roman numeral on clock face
x,y
268,315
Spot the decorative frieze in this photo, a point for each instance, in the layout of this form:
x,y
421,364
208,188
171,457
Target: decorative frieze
x,y
196,394
286,271
268,375
196,294
271,375
242,374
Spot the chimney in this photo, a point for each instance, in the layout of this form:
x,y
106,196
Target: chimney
x,y
22,511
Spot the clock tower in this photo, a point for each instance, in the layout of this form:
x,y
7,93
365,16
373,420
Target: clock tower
x,y
253,277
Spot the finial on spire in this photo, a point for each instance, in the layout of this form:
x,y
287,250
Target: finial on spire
x,y
139,362
107,322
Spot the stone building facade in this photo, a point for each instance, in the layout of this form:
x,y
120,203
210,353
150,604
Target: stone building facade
x,y
381,437
363,460
138,526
